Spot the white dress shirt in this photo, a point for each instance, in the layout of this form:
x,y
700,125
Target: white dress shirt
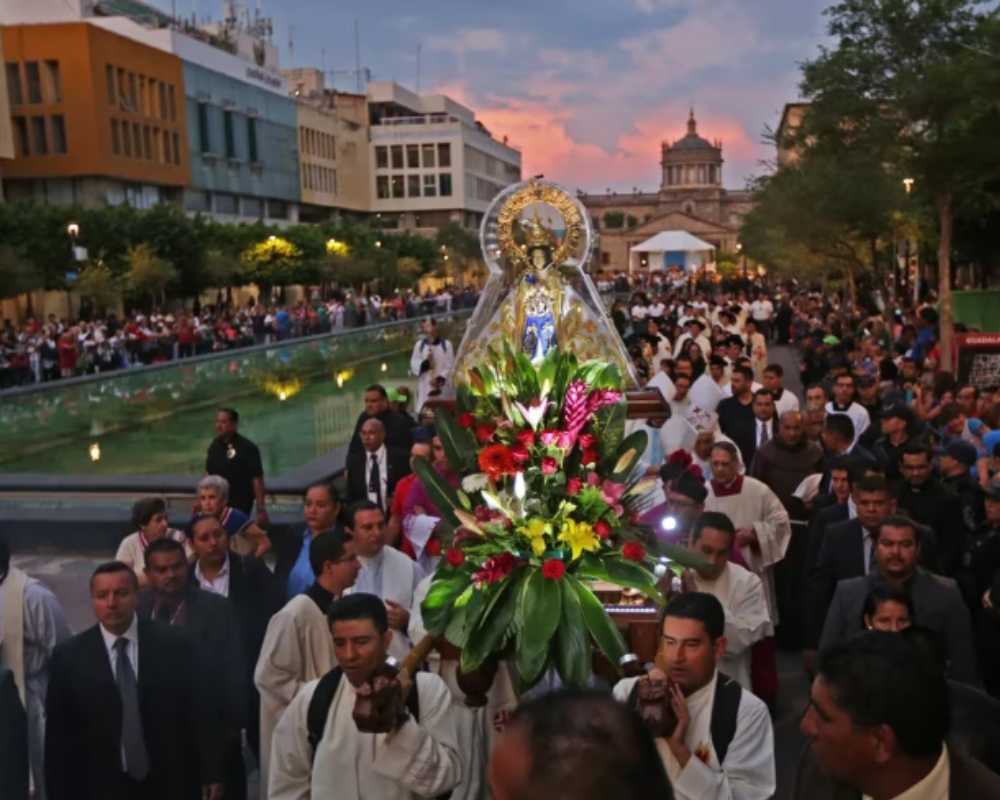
x,y
763,425
132,651
382,456
219,584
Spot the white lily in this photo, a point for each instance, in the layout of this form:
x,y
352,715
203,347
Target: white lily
x,y
475,482
533,414
520,487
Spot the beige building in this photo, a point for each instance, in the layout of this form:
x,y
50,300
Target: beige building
x,y
691,198
791,121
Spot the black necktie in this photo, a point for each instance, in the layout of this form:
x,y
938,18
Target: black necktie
x,y
763,434
133,741
375,481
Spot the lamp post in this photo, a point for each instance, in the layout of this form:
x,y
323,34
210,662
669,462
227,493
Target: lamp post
x,y
73,231
912,271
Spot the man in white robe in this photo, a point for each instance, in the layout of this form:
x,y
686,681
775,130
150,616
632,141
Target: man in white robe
x,y
691,753
298,647
32,623
420,757
385,572
738,589
431,361
476,726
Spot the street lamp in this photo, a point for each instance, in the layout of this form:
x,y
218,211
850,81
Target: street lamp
x,y
73,230
908,184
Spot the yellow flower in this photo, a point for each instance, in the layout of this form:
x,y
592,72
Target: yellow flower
x,y
579,536
535,532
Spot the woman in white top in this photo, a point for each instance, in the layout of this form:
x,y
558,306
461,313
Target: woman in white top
x,y
149,515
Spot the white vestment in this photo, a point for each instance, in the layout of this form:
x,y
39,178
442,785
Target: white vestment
x,y
746,773
859,416
706,393
747,620
298,648
787,402
757,507
391,575
441,356
421,759
476,726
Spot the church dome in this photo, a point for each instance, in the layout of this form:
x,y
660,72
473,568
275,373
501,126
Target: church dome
x,y
692,141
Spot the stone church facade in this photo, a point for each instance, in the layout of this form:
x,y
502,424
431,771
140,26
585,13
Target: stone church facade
x,y
691,198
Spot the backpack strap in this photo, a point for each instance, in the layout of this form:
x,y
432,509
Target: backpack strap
x,y
725,709
319,706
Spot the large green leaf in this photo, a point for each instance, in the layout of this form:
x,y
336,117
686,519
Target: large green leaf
x,y
600,625
437,606
573,654
612,428
634,576
530,665
679,554
440,493
464,618
540,612
636,443
494,624
459,444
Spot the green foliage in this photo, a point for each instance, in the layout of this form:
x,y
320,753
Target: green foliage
x,y
17,274
148,274
98,284
613,220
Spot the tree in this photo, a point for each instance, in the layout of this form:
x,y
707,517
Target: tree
x,y
461,246
912,82
98,284
272,262
17,274
148,274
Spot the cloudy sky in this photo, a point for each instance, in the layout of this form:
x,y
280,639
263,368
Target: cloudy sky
x,y
588,89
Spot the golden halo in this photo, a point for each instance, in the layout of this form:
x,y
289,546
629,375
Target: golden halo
x,y
509,215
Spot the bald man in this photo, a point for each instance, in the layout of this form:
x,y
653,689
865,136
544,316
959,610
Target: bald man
x,y
372,473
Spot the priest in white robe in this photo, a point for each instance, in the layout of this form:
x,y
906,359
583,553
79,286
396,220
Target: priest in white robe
x,y
431,361
419,758
385,572
298,647
738,589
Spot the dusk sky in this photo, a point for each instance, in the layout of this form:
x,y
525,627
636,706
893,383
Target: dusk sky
x,y
586,89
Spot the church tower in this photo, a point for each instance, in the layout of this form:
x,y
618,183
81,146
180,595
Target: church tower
x,y
691,163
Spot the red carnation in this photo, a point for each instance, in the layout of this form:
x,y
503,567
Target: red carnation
x,y
497,461
573,486
634,551
553,569
466,420
549,466
520,454
495,568
590,456
484,432
602,529
433,547
454,555
681,457
482,514
526,438
586,440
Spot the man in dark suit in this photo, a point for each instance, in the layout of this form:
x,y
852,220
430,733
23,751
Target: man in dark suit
x,y
877,722
210,623
398,427
373,473
126,717
937,602
736,414
13,740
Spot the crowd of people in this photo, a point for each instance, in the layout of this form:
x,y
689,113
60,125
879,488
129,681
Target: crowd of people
x,y
48,349
857,525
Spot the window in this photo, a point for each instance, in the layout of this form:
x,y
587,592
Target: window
x,y
39,139
137,139
34,80
397,186
381,186
21,136
151,105
127,138
397,156
277,209
333,181
252,207
427,151
333,153
412,156
14,84
226,204
227,127
59,134
172,103
605,257
196,201
252,155
204,134
444,156
176,139
430,185
167,158
413,186
445,184
133,93
147,142
381,155
116,138
109,78
163,101
143,102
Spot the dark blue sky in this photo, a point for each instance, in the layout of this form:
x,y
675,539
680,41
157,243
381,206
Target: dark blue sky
x,y
587,89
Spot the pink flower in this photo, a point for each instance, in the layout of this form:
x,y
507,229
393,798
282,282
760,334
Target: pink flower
x,y
520,454
602,529
593,479
482,514
484,432
566,440
586,440
495,568
611,492
549,437
600,398
526,438
589,456
619,509
573,486
549,466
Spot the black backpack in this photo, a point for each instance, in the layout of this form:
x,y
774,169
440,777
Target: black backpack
x,y
724,712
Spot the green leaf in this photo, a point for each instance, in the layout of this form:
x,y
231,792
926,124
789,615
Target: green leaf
x,y
600,625
440,493
634,576
573,654
494,624
437,606
612,429
623,466
684,556
464,618
530,665
539,613
459,444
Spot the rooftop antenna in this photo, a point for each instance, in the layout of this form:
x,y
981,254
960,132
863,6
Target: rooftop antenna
x,y
291,46
418,67
357,53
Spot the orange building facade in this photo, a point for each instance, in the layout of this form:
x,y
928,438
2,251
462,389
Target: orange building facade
x,y
97,119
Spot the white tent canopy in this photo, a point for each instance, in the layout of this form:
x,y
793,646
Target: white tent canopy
x,y
671,242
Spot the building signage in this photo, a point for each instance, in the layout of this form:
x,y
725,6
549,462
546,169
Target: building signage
x,y
256,74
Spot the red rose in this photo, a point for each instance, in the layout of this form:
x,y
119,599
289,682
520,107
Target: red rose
x,y
590,456
484,432
455,556
553,569
549,466
520,454
497,461
526,438
602,529
466,420
495,568
482,514
433,547
573,487
586,440
634,551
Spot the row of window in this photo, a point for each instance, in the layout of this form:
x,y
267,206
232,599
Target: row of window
x,y
401,186
138,94
319,144
478,161
482,189
132,140
319,179
692,173
417,156
41,84
235,205
39,136
231,120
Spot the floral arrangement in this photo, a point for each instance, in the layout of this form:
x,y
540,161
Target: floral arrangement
x,y
543,499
